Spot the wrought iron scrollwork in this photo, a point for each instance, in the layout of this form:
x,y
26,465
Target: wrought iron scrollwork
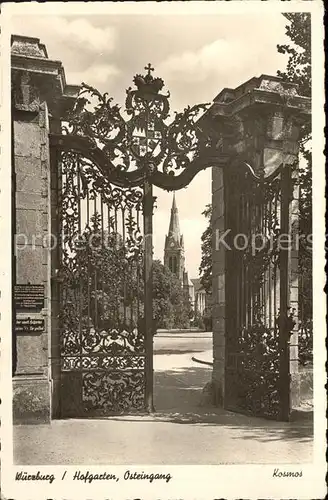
x,y
141,142
258,332
101,290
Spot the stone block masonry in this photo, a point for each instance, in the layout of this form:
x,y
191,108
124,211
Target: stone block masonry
x,y
39,96
259,122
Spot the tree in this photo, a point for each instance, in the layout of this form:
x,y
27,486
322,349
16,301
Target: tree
x,y
205,268
163,286
106,283
171,306
298,70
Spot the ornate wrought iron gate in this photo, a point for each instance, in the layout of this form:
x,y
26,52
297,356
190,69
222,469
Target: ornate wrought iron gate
x,y
258,319
107,166
101,293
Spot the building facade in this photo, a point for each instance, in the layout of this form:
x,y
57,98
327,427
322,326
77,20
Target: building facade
x,y
201,299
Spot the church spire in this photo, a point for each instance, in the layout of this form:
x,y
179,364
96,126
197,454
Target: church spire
x,y
173,250
174,228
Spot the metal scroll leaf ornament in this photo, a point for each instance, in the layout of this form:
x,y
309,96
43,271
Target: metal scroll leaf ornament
x,y
144,137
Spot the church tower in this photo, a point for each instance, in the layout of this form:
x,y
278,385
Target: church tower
x,y
174,257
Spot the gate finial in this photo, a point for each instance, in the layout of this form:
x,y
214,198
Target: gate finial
x,y
149,68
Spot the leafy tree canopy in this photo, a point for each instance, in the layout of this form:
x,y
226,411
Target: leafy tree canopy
x,y
298,70
171,304
205,268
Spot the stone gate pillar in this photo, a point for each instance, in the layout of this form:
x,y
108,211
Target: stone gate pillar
x,y
258,122
40,97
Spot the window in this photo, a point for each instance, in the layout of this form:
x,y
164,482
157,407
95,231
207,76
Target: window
x,y
173,265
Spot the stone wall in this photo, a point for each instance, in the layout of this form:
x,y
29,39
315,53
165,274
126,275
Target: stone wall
x,y
258,122
32,220
218,295
39,98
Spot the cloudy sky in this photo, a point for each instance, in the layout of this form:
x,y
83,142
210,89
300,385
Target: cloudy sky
x,y
196,54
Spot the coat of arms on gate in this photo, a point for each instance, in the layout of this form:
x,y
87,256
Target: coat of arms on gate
x,y
149,142
148,110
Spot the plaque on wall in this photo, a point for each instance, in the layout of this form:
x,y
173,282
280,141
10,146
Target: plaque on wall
x,y
29,325
29,297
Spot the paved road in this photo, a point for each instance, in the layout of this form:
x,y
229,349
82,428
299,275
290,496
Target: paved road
x,y
178,381
181,432
182,342
176,349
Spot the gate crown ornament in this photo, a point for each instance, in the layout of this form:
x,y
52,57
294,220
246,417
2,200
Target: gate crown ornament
x,y
147,83
148,144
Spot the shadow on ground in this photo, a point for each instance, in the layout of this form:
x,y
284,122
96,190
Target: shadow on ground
x,y
212,435
179,399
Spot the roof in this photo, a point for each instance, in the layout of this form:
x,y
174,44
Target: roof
x,y
174,228
197,284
